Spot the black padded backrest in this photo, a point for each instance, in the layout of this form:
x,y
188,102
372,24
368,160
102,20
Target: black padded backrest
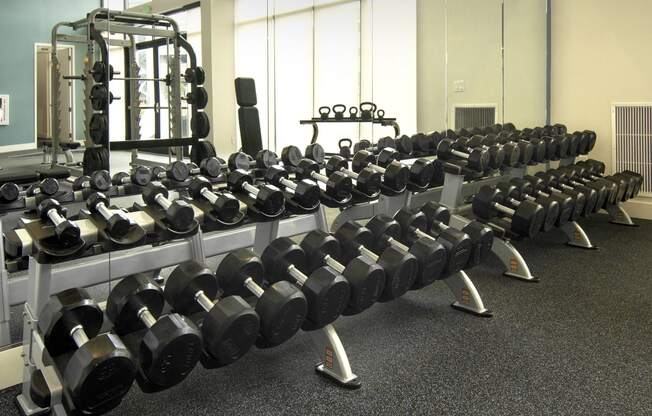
x,y
252,141
245,92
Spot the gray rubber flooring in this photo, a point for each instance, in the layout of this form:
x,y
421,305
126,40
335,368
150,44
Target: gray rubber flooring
x,y
577,343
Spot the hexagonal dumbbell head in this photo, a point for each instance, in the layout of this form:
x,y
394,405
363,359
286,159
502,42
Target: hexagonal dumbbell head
x,y
237,179
117,224
100,180
421,173
387,156
362,159
180,215
152,190
67,231
339,186
396,176
307,193
178,171
211,167
266,158
528,219
478,159
197,185
270,199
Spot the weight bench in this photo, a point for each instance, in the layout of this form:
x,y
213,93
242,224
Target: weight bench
x,y
248,118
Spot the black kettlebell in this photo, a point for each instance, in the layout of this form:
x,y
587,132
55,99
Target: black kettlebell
x,y
324,112
338,110
367,110
353,112
363,144
345,149
380,114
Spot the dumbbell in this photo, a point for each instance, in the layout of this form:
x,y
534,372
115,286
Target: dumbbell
x,y
178,213
315,151
514,197
225,205
401,268
177,171
326,290
170,347
210,167
422,143
230,325
581,201
282,307
477,159
382,143
525,220
50,210
557,206
430,253
268,198
482,236
338,185
264,159
367,180
511,150
366,278
100,371
579,173
47,187
541,152
117,223
100,180
404,144
596,192
632,180
526,149
9,192
620,183
496,152
305,192
362,144
535,186
421,170
395,175
140,175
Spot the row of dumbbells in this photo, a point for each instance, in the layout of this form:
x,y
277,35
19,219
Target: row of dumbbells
x,y
160,333
539,202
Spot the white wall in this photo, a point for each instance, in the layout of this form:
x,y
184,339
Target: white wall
x,y
600,55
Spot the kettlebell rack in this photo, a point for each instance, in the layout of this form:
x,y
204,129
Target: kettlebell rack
x,y
46,279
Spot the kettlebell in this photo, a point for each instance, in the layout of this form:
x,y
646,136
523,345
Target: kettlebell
x,y
367,110
345,149
353,112
324,112
338,110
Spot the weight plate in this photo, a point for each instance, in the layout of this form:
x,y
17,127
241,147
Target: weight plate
x,y
200,125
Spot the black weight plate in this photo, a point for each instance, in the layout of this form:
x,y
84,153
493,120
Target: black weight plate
x,y
200,125
202,150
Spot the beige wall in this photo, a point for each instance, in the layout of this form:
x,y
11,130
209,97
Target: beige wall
x,y
600,55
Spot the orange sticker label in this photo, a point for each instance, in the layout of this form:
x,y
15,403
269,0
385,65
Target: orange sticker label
x,y
328,357
578,236
466,296
513,265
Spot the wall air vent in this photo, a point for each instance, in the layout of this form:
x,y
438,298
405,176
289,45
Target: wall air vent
x,y
473,115
631,125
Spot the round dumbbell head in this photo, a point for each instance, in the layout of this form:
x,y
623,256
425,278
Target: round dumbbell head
x,y
80,182
118,178
211,167
230,328
141,175
396,176
49,186
227,207
270,199
99,374
540,150
153,189
100,180
528,219
239,160
444,148
421,172
527,152
9,192
552,145
361,159
335,163
387,156
368,182
178,171
583,147
482,240
315,151
127,298
327,292
386,142
197,185
339,186
238,178
180,215
512,154
265,159
307,193
291,156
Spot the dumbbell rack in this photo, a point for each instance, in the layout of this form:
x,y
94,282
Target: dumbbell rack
x,y
45,279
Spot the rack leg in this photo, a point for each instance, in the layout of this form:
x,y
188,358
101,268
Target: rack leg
x,y
265,233
355,212
467,297
513,261
577,236
390,205
619,216
334,363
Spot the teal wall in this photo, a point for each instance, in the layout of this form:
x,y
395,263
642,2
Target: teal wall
x,y
22,24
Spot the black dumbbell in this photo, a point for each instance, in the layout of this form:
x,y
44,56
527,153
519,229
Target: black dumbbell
x,y
117,223
421,170
177,171
540,150
362,144
100,371
367,180
326,290
534,186
496,151
526,149
366,278
225,205
47,187
264,159
210,167
305,192
229,327
268,198
178,213
282,307
140,175
401,268
482,236
526,220
100,180
171,345
477,158
421,143
512,150
551,184
632,180
590,194
50,210
395,175
338,185
579,173
404,144
430,254
315,151
558,208
620,187
598,188
9,192
514,197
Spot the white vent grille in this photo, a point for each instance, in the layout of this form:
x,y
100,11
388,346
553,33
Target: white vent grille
x,y
632,140
474,115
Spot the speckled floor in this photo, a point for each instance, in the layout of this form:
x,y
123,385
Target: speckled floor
x,y
578,342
